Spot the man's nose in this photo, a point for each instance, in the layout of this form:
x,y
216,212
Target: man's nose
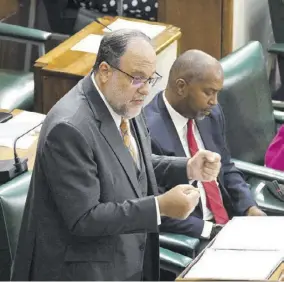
x,y
144,89
214,100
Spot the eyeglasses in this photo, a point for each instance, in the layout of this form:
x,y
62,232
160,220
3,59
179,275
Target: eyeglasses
x,y
139,81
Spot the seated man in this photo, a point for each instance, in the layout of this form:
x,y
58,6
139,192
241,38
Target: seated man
x,y
186,118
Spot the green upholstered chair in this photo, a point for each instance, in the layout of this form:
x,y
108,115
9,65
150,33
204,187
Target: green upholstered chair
x,y
17,87
173,262
251,122
12,199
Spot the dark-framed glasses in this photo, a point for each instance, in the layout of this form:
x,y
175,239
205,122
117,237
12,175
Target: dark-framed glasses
x,y
140,81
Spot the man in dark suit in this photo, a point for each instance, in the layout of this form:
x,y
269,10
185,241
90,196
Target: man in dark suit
x,y
92,212
185,119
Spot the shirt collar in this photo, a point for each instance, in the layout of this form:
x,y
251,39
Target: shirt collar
x,y
179,121
115,116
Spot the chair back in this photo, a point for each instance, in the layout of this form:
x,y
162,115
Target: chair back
x,y
12,202
247,105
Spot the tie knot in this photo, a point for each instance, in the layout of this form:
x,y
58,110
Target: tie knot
x,y
124,127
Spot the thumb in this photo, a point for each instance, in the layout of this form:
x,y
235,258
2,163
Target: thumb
x,y
211,156
187,189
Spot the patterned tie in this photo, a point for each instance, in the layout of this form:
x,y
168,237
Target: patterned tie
x,y
126,136
213,195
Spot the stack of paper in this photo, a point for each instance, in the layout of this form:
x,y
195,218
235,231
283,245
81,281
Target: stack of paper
x,y
235,265
247,248
252,233
151,30
19,125
89,44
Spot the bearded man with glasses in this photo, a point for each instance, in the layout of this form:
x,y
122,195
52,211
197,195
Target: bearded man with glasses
x,y
93,210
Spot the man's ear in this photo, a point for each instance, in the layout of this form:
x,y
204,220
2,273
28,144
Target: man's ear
x,y
181,86
105,72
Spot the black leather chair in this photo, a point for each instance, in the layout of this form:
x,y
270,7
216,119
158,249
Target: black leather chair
x,y
17,87
251,122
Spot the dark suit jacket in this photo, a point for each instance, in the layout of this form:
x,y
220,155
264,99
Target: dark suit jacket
x,y
85,218
165,141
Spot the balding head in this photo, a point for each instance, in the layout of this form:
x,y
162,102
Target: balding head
x,y
194,81
194,65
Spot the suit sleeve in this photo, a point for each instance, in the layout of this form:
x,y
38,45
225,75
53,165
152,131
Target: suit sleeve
x,y
192,226
74,183
233,179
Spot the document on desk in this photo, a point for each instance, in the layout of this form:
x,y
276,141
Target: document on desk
x,y
151,30
17,126
235,265
252,233
89,44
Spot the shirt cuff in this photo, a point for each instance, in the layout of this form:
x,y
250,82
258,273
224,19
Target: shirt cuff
x,y
158,212
207,229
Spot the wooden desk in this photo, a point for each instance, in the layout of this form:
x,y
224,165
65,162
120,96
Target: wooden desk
x,y
7,153
60,69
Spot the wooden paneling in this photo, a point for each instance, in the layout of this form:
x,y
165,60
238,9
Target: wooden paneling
x,y
8,7
227,27
205,24
200,22
12,53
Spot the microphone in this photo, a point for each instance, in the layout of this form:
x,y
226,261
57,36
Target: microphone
x,y
10,169
99,22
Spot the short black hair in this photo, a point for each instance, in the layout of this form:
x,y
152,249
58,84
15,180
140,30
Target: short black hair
x,y
113,46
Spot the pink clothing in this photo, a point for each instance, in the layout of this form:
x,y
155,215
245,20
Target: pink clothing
x,y
274,157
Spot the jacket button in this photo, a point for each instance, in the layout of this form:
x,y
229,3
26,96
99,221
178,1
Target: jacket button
x,y
142,247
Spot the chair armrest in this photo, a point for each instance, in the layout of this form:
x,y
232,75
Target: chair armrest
x,y
278,105
276,48
279,116
172,261
179,243
264,199
23,33
260,171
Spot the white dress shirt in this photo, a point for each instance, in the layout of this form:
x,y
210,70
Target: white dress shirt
x,y
117,120
180,124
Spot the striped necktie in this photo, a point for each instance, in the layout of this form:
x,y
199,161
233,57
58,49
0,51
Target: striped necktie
x,y
126,136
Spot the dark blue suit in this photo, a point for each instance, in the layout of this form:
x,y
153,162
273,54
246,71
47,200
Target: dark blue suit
x,y
165,141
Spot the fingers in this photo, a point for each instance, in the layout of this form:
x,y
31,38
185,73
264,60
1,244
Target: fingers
x,y
187,189
211,157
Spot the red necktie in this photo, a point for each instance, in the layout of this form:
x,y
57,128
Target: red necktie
x,y
213,196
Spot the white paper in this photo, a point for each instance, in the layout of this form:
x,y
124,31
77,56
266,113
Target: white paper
x,y
252,233
235,265
89,44
19,125
151,30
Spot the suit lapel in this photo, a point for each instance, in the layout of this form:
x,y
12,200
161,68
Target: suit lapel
x,y
204,128
110,132
172,133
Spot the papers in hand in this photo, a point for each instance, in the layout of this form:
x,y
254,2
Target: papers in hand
x,y
235,265
17,126
89,44
151,30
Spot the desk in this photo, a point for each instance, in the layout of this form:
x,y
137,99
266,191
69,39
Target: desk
x,y
60,69
7,153
274,277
